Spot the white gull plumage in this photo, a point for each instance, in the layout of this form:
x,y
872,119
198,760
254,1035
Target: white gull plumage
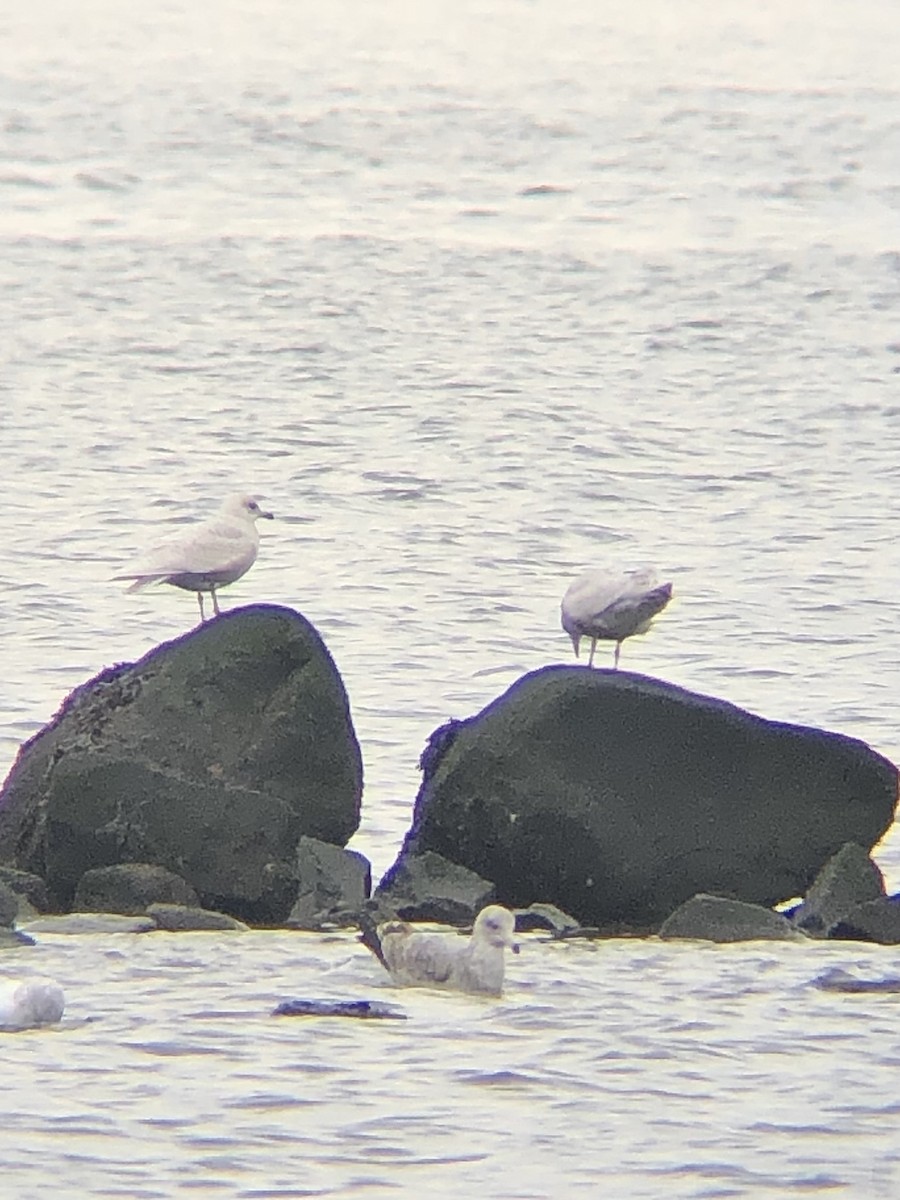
x,y
207,556
475,964
28,1003
611,606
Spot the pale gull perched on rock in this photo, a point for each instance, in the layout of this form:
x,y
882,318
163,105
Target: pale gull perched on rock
x,y
611,606
207,556
28,1003
441,960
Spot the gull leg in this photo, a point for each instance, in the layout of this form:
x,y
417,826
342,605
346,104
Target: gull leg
x,y
616,657
591,655
200,602
212,592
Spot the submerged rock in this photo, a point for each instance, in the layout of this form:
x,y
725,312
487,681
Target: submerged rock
x,y
185,918
617,797
78,923
211,756
836,979
365,1009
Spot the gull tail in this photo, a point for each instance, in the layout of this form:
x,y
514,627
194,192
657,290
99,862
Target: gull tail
x,y
368,935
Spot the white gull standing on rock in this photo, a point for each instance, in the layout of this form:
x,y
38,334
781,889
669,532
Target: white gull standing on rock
x,y
611,606
27,1003
206,556
441,960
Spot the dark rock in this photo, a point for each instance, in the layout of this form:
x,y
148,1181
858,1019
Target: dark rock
x,y
718,919
32,887
428,887
848,879
330,880
129,888
618,797
876,921
211,756
545,916
183,918
838,980
9,906
366,1009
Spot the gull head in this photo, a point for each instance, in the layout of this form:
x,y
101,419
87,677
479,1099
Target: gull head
x,y
496,925
246,507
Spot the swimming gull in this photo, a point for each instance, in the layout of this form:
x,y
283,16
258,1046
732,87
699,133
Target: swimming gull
x,y
611,606
441,960
28,1003
207,556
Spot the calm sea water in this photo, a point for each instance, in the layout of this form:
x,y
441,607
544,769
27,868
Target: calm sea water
x,y
477,295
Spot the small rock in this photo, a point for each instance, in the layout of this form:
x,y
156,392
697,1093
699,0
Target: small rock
x,y
848,879
876,921
183,918
92,923
545,916
429,887
9,907
130,887
330,880
32,887
718,919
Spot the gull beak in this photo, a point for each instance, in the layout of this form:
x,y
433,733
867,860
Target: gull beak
x,y
269,516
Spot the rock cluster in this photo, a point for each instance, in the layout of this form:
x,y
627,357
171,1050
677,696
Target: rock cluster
x,y
215,783
211,757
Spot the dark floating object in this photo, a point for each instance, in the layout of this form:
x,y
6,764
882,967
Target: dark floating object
x,y
839,980
338,1008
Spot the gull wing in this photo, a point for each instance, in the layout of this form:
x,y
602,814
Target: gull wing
x,y
421,957
217,547
592,594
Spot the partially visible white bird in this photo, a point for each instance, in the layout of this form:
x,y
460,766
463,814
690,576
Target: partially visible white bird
x,y
207,556
27,1003
611,606
441,960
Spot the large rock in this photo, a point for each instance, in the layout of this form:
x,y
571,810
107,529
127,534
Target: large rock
x,y
211,756
618,797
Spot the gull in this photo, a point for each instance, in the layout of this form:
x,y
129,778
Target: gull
x,y
475,964
206,556
611,606
28,1003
